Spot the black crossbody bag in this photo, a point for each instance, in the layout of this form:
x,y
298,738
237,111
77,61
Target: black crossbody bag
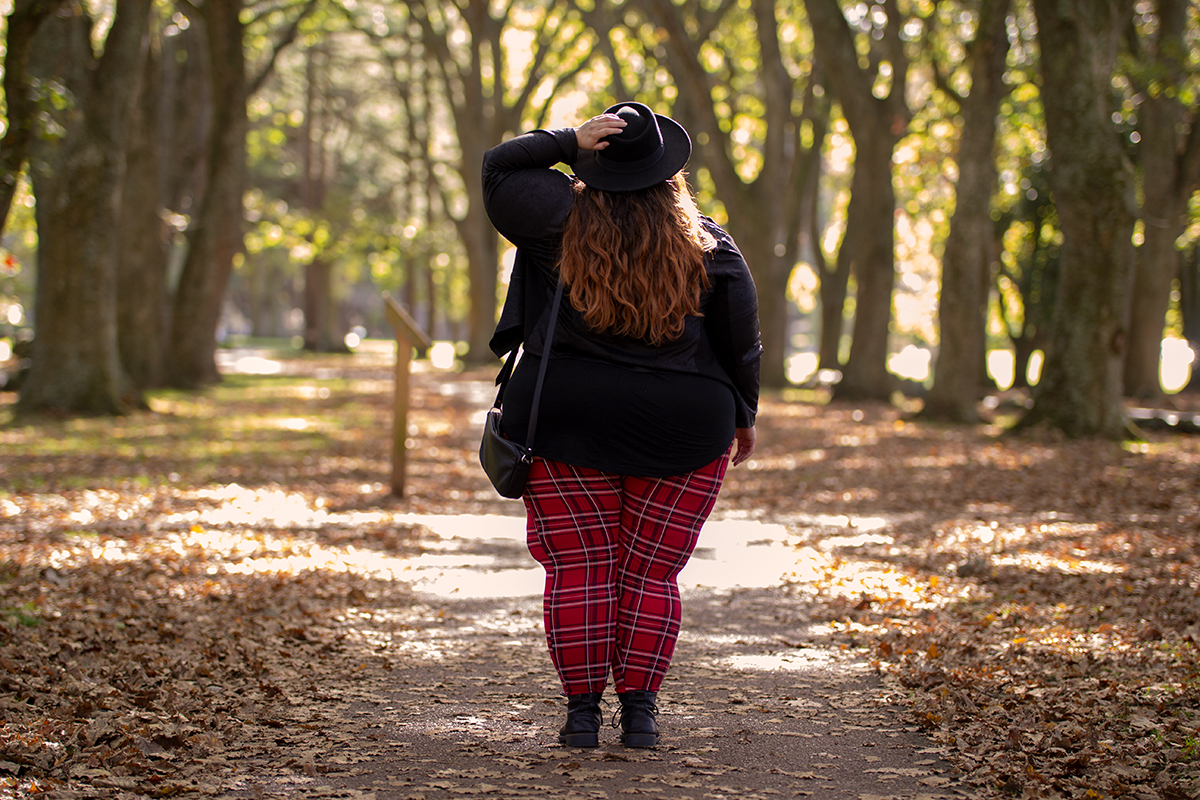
x,y
506,462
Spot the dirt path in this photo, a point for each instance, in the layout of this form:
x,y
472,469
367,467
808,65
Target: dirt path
x,y
462,702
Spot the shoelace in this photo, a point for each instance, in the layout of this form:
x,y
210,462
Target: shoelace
x,y
619,712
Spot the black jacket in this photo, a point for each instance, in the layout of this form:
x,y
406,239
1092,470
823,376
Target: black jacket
x,y
528,203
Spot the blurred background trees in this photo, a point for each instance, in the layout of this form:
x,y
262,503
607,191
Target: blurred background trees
x,y
933,195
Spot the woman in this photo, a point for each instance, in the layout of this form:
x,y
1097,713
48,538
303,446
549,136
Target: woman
x,y
653,379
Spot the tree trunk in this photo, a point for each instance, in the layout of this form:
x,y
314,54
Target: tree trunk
x,y
872,206
834,278
1080,391
1189,307
835,285
483,258
320,308
757,242
1023,350
77,181
320,317
1166,187
142,261
20,105
216,234
877,123
1157,259
966,264
186,119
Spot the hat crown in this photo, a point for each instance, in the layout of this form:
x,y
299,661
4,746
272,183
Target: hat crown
x,y
639,144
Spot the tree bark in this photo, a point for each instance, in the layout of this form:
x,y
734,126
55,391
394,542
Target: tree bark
x,y
20,104
142,262
872,261
216,234
1189,307
834,288
320,312
877,124
834,279
186,119
1163,213
1080,391
320,308
966,263
483,257
77,181
1166,187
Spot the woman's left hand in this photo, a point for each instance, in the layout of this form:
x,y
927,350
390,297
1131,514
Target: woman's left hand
x,y
745,438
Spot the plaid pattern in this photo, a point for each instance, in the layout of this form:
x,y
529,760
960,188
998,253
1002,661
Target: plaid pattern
x,y
612,547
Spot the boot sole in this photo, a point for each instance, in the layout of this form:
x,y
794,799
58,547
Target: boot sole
x,y
640,739
579,739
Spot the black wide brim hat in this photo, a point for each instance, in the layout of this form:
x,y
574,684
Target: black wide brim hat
x,y
650,149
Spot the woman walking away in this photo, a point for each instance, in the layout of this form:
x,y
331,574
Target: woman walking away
x,y
652,382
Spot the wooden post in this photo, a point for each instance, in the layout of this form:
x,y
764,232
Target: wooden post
x,y
408,336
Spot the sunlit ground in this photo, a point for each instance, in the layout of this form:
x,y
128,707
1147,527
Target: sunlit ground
x,y
912,363
915,363
247,531
732,553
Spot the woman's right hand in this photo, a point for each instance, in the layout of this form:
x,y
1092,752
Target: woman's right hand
x,y
589,134
745,439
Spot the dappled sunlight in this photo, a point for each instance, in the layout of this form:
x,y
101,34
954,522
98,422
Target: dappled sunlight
x,y
247,363
243,531
801,367
785,460
1175,366
855,540
800,660
937,461
865,584
237,505
1042,562
839,522
912,363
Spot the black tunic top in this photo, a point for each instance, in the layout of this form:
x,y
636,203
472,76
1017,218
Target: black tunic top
x,y
615,403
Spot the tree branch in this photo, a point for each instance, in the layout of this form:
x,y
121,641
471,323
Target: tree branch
x,y
285,40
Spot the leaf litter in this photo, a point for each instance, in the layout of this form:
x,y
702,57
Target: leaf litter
x,y
211,598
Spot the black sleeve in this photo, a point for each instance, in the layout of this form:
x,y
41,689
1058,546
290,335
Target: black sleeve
x,y
525,198
731,317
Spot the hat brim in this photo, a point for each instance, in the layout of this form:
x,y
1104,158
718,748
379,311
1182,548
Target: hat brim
x,y
677,149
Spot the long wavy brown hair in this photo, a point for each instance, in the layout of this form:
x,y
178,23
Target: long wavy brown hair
x,y
634,261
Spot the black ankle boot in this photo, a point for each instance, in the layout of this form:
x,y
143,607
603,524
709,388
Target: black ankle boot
x,y
638,727
583,721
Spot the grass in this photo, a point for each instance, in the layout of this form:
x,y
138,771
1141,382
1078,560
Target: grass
x,y
268,426
24,616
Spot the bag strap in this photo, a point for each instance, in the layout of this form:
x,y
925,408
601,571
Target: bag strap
x,y
537,389
511,360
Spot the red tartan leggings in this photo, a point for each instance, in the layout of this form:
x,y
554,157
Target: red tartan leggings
x,y
612,547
